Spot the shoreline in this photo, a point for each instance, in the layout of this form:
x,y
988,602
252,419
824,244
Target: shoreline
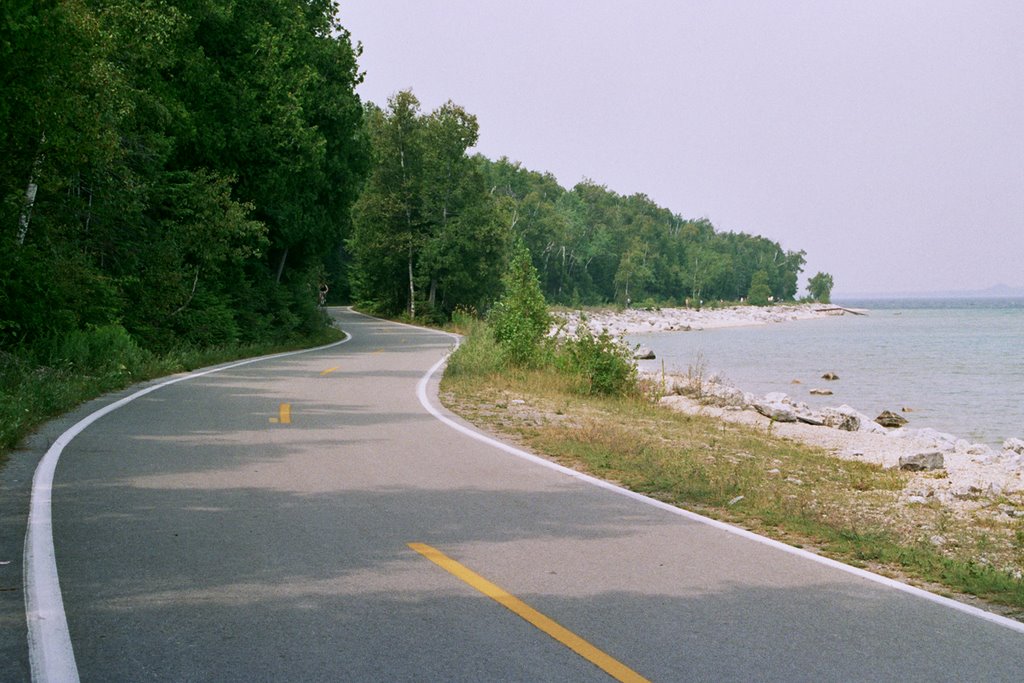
x,y
955,472
631,321
948,470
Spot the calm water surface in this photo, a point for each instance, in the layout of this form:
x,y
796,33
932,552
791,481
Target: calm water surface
x,y
957,364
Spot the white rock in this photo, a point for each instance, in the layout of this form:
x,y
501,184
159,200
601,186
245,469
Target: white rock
x,y
975,487
870,426
1015,445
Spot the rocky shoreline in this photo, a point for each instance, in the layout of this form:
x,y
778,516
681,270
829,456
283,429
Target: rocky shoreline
x,y
950,471
640,321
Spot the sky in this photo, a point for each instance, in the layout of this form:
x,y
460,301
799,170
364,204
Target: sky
x,y
883,137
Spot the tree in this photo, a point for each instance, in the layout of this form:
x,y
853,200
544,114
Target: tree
x,y
465,252
389,223
820,287
760,293
633,272
520,319
173,147
425,218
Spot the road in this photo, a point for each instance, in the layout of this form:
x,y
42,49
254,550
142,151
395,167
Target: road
x,y
305,518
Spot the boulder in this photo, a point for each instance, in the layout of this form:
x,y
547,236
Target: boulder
x,y
846,420
644,353
1015,445
775,412
919,462
831,376
890,419
821,392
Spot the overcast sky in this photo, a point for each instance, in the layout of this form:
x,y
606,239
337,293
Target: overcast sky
x,y
884,137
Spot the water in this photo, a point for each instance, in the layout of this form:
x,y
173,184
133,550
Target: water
x,y
957,365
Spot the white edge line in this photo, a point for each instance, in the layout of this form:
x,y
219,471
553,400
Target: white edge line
x,y
421,392
51,655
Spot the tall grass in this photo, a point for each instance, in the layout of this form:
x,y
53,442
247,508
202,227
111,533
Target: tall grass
x,y
479,352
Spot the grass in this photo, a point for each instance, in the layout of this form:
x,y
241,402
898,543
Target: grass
x,y
32,393
847,510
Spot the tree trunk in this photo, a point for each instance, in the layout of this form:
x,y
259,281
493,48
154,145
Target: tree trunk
x,y
412,288
280,265
30,194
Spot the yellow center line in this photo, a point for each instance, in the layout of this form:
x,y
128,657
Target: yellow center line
x,y
328,371
284,415
608,664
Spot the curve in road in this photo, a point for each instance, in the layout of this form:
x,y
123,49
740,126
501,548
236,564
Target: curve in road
x,y
200,535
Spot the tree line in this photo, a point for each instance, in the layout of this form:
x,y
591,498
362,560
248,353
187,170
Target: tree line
x,y
193,171
182,168
434,229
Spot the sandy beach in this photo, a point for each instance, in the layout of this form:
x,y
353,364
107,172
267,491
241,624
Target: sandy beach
x,y
954,472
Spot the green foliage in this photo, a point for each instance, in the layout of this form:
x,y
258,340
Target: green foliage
x,y
433,228
101,349
520,319
593,246
427,234
759,293
820,287
601,364
479,353
194,163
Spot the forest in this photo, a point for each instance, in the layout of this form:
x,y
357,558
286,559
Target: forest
x,y
433,228
191,172
181,169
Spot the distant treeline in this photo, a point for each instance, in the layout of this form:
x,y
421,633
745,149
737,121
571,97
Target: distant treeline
x,y
434,227
193,171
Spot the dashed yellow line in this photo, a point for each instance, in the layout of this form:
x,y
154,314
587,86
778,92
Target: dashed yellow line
x,y
328,371
605,662
284,415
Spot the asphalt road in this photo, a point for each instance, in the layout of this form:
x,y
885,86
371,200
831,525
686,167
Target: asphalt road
x,y
255,525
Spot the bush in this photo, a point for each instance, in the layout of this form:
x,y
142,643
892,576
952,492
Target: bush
x,y
520,319
604,365
104,349
208,321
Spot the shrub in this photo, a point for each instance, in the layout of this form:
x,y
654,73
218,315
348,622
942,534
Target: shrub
x,y
103,349
520,319
604,365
